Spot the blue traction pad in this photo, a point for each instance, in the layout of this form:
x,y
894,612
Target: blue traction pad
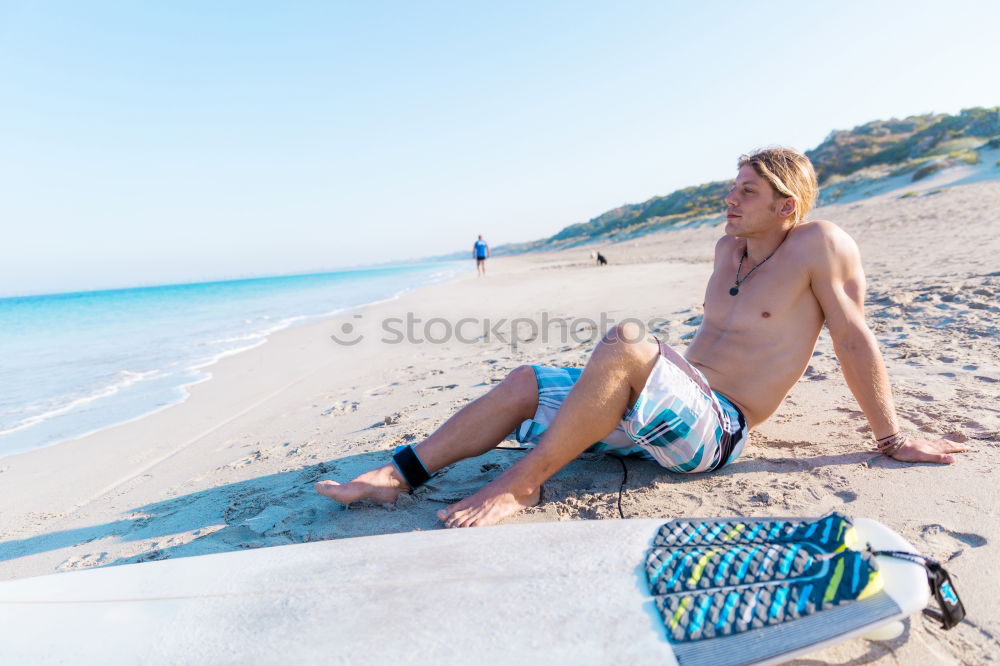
x,y
720,577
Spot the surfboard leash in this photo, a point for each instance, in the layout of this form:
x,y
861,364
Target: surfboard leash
x,y
952,611
621,486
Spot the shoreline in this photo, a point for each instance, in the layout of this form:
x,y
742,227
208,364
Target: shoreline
x,y
201,370
232,467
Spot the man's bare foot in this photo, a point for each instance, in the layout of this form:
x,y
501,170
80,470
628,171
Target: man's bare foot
x,y
926,450
487,507
382,485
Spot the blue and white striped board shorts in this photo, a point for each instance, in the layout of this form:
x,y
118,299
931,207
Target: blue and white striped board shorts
x,y
677,420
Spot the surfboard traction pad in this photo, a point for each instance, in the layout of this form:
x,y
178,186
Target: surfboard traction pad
x,y
760,587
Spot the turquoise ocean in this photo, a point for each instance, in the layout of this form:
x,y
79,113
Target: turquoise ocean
x,y
75,363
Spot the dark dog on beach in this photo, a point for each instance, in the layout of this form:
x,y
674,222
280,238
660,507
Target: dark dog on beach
x,y
601,260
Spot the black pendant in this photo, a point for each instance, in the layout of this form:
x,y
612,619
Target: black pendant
x,y
733,291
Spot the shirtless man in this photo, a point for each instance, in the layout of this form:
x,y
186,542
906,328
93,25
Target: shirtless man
x,y
776,281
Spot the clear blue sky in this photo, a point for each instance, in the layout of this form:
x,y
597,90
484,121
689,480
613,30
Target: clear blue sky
x,y
151,142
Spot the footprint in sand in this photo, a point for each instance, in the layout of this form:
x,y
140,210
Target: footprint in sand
x,y
405,438
434,389
815,375
342,407
394,418
256,456
296,451
268,520
948,544
84,561
979,305
587,507
846,496
689,501
151,556
379,391
854,413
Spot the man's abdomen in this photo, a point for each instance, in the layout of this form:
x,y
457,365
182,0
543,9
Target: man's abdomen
x,y
754,374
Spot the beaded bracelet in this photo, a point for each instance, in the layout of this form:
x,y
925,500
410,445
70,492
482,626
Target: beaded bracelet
x,y
889,444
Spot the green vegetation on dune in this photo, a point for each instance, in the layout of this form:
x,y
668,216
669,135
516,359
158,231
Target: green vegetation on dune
x,y
677,207
929,169
904,143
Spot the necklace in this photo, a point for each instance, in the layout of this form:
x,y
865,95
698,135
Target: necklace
x,y
736,288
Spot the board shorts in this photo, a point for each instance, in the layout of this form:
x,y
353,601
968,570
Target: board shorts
x,y
677,420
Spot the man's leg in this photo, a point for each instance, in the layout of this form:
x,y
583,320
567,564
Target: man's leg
x,y
472,431
612,381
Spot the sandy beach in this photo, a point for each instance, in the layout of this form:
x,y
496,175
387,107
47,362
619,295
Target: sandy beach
x,y
233,466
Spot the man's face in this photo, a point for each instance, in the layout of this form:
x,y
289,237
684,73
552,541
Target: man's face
x,y
751,207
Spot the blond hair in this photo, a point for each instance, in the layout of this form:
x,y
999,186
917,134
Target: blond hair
x,y
790,173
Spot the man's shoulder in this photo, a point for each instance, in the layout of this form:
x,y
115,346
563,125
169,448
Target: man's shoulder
x,y
821,233
822,243
726,242
819,228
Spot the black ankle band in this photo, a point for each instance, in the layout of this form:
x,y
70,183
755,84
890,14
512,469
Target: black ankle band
x,y
408,464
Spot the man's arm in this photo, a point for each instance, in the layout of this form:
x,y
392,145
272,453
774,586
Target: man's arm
x,y
838,281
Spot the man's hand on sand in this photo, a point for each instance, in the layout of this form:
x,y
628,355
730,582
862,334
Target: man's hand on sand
x,y
928,450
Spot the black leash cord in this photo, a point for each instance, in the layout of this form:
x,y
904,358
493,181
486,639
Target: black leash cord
x,y
621,488
952,610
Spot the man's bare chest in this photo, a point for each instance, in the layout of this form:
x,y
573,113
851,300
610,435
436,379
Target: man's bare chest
x,y
766,299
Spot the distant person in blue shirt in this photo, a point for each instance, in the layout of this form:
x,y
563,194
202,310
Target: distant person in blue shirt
x,y
481,251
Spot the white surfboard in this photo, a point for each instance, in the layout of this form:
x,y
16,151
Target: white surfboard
x,y
563,593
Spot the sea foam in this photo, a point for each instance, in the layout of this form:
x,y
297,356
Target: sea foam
x,y
75,364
